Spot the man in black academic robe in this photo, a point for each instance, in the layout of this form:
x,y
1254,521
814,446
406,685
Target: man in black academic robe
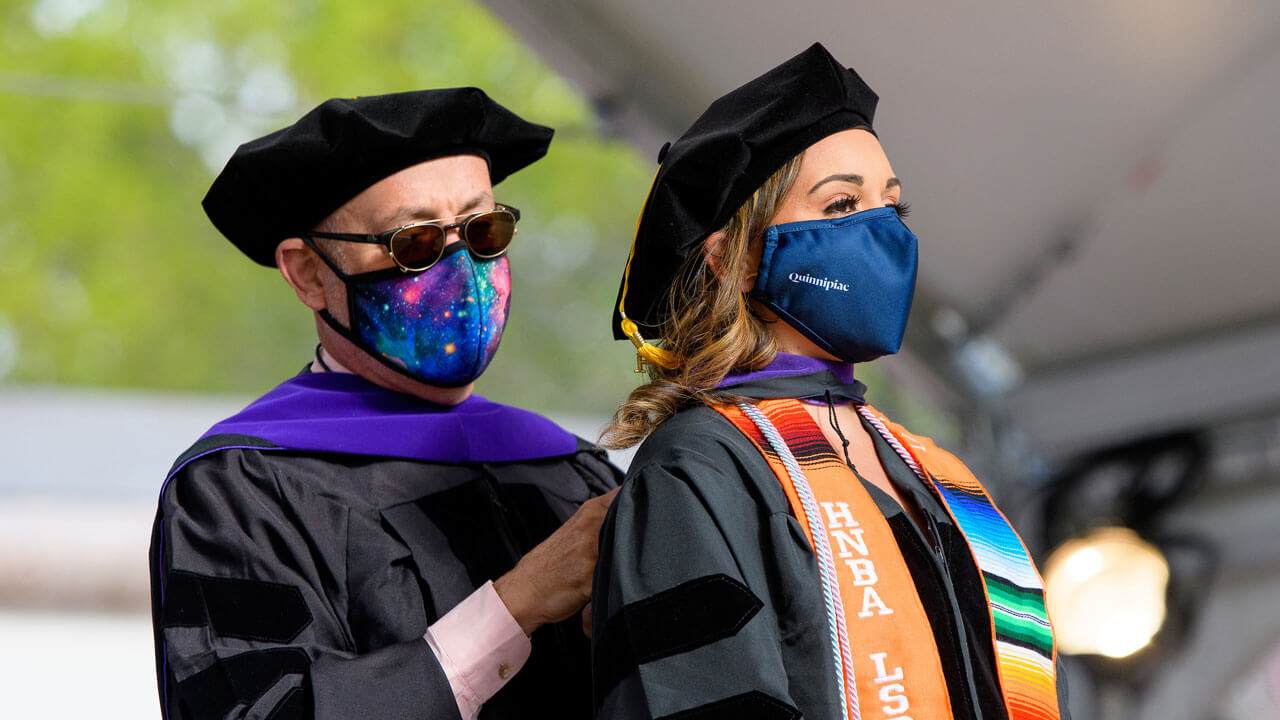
x,y
369,539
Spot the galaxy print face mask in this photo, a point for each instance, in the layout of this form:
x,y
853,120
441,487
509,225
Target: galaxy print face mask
x,y
440,326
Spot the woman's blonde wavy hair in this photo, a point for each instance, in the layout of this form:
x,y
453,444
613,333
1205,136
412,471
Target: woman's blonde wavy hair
x,y
710,326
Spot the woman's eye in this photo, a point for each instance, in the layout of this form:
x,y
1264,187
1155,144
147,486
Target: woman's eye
x,y
903,209
843,206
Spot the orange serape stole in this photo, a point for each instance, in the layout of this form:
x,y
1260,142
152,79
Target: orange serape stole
x,y
886,659
882,642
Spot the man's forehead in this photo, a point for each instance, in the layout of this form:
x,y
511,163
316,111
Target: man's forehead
x,y
414,212
438,188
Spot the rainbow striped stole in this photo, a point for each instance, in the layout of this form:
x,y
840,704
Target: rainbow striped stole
x,y
1022,636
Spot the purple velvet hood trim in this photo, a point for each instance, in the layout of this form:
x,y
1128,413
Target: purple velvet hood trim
x,y
344,413
786,365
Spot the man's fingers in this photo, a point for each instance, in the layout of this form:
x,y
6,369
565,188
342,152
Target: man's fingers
x,y
557,571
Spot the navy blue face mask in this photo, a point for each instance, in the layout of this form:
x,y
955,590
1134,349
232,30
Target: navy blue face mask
x,y
846,284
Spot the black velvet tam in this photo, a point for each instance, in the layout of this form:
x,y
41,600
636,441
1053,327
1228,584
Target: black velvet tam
x,y
285,183
728,152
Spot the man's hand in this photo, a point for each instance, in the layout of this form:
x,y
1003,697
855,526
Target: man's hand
x,y
553,580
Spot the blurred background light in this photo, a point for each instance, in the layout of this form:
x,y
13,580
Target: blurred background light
x,y
1106,592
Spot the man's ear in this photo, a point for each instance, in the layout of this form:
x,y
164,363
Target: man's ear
x,y
300,267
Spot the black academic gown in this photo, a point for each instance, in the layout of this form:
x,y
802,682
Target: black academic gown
x,y
299,584
707,596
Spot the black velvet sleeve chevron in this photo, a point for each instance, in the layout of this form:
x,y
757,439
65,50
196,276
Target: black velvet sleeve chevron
x,y
241,679
248,609
686,617
753,705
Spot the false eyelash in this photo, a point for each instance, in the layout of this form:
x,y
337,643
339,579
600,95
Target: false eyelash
x,y
903,209
851,204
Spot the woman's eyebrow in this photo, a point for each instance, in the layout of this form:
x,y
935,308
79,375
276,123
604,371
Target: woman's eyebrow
x,y
855,179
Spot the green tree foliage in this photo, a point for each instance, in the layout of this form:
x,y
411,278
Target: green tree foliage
x,y
116,114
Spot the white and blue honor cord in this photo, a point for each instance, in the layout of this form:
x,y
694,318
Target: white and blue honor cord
x,y
826,563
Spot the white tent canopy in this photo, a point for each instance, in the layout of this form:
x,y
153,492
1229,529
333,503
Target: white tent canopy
x,y
1094,182
1096,186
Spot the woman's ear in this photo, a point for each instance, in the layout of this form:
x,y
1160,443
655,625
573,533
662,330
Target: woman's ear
x,y
713,253
300,267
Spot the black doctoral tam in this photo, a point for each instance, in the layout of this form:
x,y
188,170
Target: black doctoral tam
x,y
729,152
283,184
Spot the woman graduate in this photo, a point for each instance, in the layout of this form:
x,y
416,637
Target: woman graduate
x,y
779,548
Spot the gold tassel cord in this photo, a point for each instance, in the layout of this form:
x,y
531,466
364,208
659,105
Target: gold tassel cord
x,y
646,352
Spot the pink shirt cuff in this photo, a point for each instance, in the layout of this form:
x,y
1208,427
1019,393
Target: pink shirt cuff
x,y
480,646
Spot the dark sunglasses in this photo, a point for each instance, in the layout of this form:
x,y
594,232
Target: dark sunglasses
x,y
419,245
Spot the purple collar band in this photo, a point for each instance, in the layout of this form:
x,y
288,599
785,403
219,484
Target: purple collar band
x,y
344,413
787,365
